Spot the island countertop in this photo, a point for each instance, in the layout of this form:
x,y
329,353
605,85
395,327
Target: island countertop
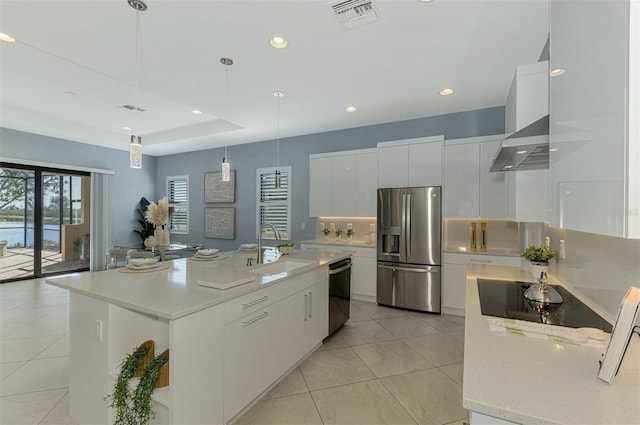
x,y
535,381
174,292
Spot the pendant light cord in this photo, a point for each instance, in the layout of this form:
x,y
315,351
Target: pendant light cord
x,y
278,132
226,109
137,73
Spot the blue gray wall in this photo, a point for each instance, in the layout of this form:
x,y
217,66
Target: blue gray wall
x,y
295,151
130,185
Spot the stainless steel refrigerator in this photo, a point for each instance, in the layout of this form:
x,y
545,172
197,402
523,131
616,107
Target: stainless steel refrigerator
x,y
409,247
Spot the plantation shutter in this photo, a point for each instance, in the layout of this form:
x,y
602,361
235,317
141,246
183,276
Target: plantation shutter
x,y
178,196
274,204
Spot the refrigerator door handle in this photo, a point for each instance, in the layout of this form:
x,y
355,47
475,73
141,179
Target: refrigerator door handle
x,y
409,269
407,229
403,228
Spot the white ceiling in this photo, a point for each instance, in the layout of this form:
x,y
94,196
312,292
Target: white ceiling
x,y
391,69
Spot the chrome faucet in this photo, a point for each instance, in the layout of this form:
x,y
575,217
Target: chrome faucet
x,y
276,234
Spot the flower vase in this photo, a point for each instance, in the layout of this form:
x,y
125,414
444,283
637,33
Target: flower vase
x,y
162,236
326,237
338,237
537,267
350,237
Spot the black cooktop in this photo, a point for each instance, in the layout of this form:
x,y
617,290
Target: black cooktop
x,y
502,298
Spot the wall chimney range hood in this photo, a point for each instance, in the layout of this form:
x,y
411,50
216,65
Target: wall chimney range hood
x,y
526,149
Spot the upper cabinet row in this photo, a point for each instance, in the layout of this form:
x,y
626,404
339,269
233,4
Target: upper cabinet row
x,y
595,117
411,162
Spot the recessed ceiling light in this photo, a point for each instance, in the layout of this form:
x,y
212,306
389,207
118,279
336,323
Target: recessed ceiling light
x,y
351,109
196,112
556,72
70,93
278,42
446,92
508,166
554,149
521,152
7,38
425,1
278,94
127,128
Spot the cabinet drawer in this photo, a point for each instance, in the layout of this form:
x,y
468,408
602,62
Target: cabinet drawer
x,y
358,251
262,298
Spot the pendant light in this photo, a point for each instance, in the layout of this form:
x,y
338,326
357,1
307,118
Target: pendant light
x,y
135,148
226,167
278,95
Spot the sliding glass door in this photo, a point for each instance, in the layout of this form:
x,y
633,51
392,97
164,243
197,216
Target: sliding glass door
x,y
44,221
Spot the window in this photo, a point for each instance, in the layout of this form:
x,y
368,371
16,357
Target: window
x,y
178,196
273,205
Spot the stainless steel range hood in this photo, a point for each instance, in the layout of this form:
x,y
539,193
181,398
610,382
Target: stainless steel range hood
x,y
526,149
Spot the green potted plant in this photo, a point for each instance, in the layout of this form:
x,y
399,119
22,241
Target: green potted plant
x,y
538,257
156,374
326,232
339,233
131,365
285,248
146,228
350,233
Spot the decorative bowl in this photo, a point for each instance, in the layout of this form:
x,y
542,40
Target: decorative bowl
x,y
139,262
285,250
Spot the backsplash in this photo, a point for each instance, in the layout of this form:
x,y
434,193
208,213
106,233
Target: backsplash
x,y
601,268
501,234
360,226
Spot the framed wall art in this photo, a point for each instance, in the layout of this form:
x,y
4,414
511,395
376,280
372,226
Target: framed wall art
x,y
219,222
216,190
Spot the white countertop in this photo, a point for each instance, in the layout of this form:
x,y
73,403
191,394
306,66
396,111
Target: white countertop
x,y
489,251
534,381
355,243
174,292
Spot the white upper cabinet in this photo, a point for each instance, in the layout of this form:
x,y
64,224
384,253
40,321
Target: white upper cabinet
x,y
411,162
320,186
595,117
528,196
343,184
470,189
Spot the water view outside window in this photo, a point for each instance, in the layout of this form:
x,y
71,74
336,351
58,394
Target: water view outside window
x,y
42,222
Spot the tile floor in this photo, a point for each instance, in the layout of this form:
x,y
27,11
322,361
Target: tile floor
x,y
385,366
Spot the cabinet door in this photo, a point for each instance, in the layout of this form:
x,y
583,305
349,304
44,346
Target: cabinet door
x,y
425,164
528,193
493,200
367,184
461,185
454,288
344,186
320,187
316,327
393,166
363,277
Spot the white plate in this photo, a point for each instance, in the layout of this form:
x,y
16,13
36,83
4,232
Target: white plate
x,y
207,252
140,262
143,267
249,246
210,258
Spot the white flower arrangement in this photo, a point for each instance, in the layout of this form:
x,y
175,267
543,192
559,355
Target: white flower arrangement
x,y
158,214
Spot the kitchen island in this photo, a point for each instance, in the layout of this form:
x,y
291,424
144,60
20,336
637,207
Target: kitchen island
x,y
511,378
227,347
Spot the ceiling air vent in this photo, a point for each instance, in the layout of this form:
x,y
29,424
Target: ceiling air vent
x,y
355,13
133,108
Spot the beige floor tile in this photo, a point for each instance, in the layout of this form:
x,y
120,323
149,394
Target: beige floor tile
x,y
359,302
457,335
364,333
454,371
60,348
362,403
59,415
439,349
407,326
7,369
376,311
37,375
16,350
445,322
295,410
429,396
390,358
334,341
464,421
292,384
27,409
357,315
55,323
330,368
8,328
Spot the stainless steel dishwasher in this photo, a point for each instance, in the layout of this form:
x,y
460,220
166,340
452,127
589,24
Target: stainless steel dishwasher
x,y
339,293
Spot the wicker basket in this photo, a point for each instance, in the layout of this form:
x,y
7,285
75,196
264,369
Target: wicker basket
x,y
150,344
163,379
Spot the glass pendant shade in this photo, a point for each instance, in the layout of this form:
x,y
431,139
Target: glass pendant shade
x,y
278,179
226,170
135,152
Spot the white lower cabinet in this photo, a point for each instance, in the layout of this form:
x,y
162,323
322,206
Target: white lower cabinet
x,y
363,268
454,277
